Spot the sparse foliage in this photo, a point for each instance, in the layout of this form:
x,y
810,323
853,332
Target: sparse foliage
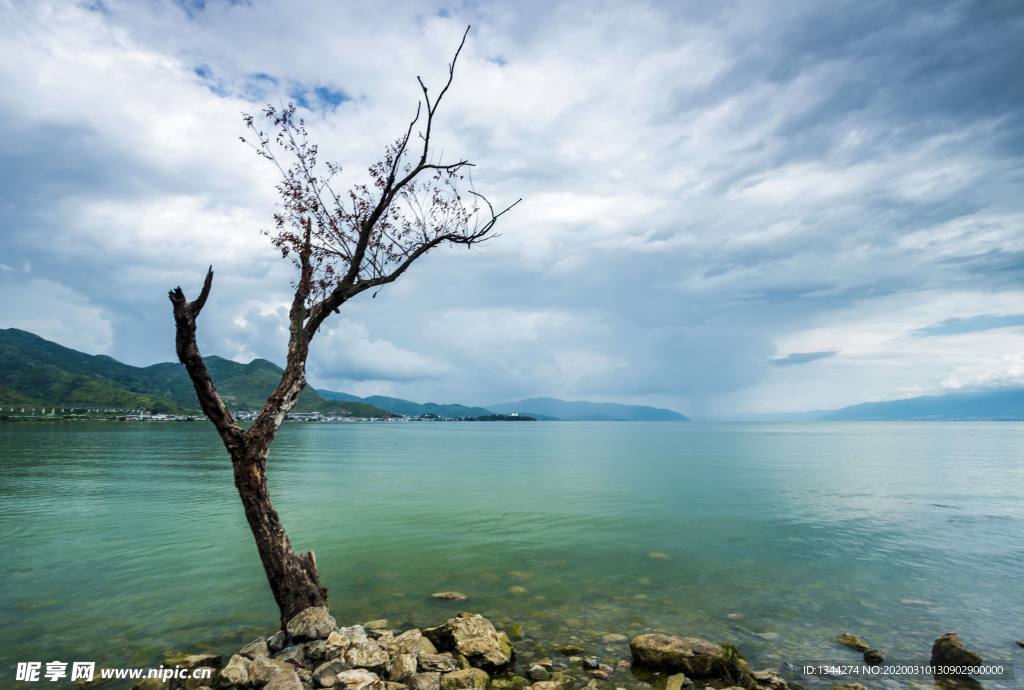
x,y
342,244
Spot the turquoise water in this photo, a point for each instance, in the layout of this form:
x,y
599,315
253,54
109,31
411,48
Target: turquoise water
x,y
124,541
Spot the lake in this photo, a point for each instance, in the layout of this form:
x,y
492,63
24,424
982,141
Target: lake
x,y
124,541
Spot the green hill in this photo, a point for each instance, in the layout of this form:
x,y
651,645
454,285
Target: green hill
x,y
38,372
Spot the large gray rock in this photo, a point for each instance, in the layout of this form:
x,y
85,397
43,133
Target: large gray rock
x,y
949,650
357,679
406,643
427,680
236,671
288,680
257,647
314,623
465,679
263,669
367,654
443,663
474,637
326,674
403,666
691,656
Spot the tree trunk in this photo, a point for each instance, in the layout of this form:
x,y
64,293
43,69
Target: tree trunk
x,y
293,578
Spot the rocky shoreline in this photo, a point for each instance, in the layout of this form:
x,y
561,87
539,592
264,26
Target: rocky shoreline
x,y
467,652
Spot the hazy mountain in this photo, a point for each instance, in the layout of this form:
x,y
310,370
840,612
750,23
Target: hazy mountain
x,y
38,372
408,407
580,410
996,404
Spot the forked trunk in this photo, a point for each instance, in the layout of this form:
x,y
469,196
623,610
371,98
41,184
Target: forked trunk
x,y
293,578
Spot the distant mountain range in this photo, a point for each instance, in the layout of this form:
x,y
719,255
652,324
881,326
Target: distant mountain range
x,y
409,408
579,410
994,404
35,372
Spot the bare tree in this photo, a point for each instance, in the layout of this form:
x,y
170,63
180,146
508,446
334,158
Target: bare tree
x,y
342,245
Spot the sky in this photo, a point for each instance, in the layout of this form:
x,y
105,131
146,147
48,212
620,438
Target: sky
x,y
728,207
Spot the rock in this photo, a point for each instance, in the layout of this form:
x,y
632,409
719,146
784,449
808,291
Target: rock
x,y
473,636
849,686
509,682
517,589
1020,643
853,642
568,649
658,555
356,679
546,685
406,643
675,682
257,647
402,667
428,680
393,685
425,646
466,678
192,660
734,616
538,672
599,674
314,623
769,680
613,637
442,663
236,671
287,680
326,674
377,624
367,654
263,669
874,657
516,632
277,641
948,650
689,655
294,655
591,662
449,596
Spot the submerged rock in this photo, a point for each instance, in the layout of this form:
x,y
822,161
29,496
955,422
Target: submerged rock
x,y
192,660
449,596
949,650
689,655
538,672
474,637
853,642
675,682
568,649
874,657
314,623
769,680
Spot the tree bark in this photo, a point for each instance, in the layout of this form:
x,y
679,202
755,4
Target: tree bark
x,y
293,578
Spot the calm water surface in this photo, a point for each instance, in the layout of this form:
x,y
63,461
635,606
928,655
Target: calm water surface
x,y
124,541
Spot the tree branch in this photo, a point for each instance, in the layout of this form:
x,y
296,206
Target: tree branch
x,y
185,314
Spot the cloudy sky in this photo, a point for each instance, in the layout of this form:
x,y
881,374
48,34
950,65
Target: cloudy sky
x,y
728,207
